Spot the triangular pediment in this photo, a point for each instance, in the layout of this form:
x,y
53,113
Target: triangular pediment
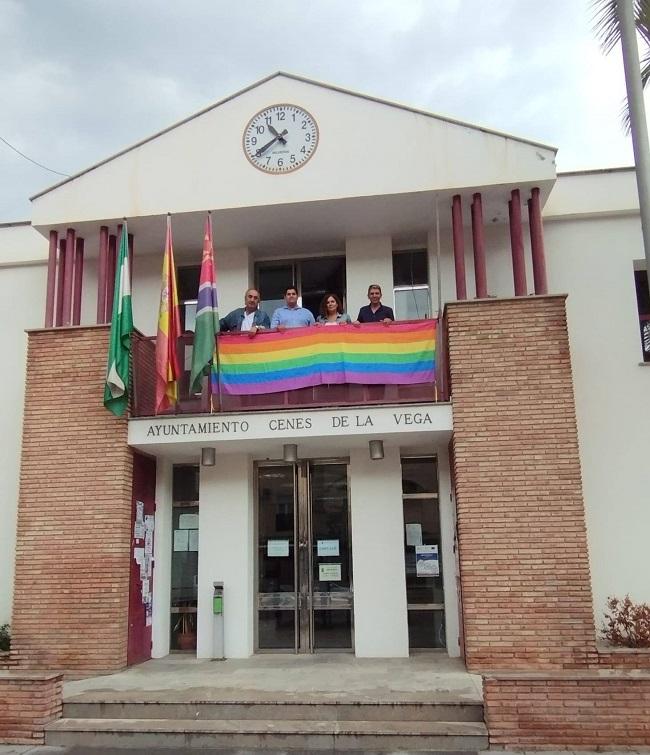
x,y
366,147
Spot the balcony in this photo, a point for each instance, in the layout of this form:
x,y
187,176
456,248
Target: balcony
x,y
329,395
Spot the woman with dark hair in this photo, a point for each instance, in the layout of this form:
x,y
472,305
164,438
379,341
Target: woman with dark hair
x,y
331,311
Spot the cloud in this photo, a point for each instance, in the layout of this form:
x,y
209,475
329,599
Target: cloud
x,y
82,80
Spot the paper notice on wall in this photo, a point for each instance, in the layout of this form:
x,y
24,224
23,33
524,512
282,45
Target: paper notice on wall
x,y
148,614
193,543
148,566
139,511
148,522
413,533
426,561
277,548
138,555
188,521
329,572
145,590
181,540
327,548
148,543
138,530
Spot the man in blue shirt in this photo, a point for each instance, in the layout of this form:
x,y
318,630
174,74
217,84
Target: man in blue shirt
x,y
247,318
375,311
291,315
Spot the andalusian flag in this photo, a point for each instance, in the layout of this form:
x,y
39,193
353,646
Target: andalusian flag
x,y
168,369
207,316
116,391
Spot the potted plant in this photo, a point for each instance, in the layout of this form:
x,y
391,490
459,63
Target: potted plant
x,y
5,638
185,629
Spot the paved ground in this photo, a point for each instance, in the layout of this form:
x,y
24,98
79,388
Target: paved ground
x,y
432,677
28,750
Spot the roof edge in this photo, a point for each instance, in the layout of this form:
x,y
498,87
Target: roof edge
x,y
304,80
595,171
14,223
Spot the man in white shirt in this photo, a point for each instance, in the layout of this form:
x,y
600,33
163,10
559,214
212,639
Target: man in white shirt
x,y
248,318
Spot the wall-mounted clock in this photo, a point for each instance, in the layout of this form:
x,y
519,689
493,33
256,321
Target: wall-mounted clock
x,y
280,138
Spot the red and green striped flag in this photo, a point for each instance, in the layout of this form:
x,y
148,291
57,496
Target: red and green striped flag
x,y
116,391
207,316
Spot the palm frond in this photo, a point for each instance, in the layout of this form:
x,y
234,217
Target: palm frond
x,y
608,33
606,27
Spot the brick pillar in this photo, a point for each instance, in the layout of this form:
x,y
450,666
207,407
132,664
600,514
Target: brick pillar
x,y
524,564
28,702
74,510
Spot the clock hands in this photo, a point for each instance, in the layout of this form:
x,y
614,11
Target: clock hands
x,y
277,138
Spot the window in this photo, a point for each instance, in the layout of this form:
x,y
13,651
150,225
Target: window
x,y
422,553
313,278
185,556
411,285
188,289
643,304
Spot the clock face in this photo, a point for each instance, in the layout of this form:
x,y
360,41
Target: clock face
x,y
280,138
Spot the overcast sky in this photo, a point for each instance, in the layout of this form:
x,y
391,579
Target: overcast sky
x,y
81,79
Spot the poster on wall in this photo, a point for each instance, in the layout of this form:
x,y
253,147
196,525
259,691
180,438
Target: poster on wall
x,y
181,540
426,561
329,572
328,548
413,533
138,526
277,548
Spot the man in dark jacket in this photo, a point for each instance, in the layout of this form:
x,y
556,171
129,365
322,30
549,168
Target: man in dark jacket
x,y
375,311
248,318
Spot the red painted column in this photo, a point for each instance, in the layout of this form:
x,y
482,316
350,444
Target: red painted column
x,y
459,247
101,274
59,284
51,280
110,275
69,276
537,242
517,244
78,281
478,242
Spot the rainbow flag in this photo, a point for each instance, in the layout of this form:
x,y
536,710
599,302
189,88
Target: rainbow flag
x,y
168,369
400,354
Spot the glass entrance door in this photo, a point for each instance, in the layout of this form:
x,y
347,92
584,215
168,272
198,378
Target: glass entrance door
x,y
304,557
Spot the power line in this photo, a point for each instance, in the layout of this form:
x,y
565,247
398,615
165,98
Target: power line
x,y
40,165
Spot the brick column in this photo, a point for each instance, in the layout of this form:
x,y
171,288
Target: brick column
x,y
524,564
74,511
28,702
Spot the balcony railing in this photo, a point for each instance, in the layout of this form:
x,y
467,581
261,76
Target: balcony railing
x,y
348,394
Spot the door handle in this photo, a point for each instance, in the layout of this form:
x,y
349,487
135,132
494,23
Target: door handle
x,y
302,544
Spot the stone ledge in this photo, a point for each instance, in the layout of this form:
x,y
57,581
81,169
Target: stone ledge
x,y
16,675
566,676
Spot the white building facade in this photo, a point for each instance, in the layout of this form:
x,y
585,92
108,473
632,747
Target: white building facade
x,y
326,552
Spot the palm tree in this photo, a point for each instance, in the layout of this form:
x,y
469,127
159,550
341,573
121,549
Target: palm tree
x,y
608,32
622,20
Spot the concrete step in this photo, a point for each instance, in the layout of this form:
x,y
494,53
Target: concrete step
x,y
415,736
315,710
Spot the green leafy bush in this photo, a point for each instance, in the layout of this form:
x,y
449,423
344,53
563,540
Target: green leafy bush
x,y
5,637
627,624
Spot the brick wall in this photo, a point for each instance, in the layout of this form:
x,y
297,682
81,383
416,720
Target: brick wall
x,y
73,537
6,661
623,658
581,712
28,701
525,578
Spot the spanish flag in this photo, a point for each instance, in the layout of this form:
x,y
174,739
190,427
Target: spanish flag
x,y
168,368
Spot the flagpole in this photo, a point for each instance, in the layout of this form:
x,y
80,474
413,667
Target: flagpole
x,y
216,341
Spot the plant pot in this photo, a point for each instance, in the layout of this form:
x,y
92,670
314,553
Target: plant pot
x,y
186,640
